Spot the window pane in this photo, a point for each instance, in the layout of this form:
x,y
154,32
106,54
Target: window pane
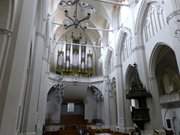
x,y
70,107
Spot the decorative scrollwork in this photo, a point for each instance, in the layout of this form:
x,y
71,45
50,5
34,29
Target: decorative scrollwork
x,y
177,21
97,93
177,33
172,15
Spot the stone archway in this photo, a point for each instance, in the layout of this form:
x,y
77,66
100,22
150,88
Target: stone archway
x,y
164,69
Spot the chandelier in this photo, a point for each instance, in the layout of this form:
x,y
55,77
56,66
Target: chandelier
x,y
74,21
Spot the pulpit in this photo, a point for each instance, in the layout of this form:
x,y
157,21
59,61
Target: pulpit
x,y
138,95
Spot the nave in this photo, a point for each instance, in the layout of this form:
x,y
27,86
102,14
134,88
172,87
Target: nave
x,y
95,66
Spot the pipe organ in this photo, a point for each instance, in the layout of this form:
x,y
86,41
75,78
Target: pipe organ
x,y
83,58
60,59
73,59
90,62
67,62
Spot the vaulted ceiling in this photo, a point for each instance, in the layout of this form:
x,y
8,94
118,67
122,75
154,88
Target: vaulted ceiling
x,y
100,19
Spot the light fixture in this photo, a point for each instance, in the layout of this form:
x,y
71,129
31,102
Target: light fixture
x,y
74,21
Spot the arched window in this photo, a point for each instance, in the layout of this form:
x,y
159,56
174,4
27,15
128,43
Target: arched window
x,y
70,107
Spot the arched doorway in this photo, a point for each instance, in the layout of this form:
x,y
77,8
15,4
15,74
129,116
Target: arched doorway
x,y
165,70
70,108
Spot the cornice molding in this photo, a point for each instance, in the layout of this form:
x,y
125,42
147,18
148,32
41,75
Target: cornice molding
x,y
172,15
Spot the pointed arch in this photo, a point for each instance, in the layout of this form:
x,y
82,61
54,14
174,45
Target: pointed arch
x,y
163,66
145,4
154,55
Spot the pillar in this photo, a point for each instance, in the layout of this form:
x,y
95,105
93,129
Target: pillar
x,y
16,87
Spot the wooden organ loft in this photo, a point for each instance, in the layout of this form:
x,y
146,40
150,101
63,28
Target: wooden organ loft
x,y
75,59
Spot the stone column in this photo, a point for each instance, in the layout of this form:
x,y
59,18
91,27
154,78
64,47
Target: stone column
x,y
106,102
37,77
16,87
42,105
141,60
120,98
106,86
99,109
176,47
154,105
40,68
44,88
9,23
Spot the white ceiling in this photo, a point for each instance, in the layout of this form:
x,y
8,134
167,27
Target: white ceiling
x,y
100,19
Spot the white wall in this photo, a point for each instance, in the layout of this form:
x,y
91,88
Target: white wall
x,y
141,52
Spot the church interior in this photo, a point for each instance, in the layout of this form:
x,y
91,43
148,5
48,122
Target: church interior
x,y
89,67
